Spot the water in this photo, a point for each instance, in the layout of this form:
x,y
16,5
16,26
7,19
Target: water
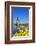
x,y
14,29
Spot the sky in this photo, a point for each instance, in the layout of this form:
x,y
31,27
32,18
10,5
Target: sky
x,y
22,13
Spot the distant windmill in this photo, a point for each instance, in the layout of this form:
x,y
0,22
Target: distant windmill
x,y
17,23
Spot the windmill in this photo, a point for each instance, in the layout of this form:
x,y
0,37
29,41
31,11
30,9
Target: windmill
x,y
17,24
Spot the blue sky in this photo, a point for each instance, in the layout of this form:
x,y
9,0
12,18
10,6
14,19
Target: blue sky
x,y
22,13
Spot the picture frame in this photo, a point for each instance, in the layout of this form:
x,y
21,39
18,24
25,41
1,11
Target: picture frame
x,y
8,28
